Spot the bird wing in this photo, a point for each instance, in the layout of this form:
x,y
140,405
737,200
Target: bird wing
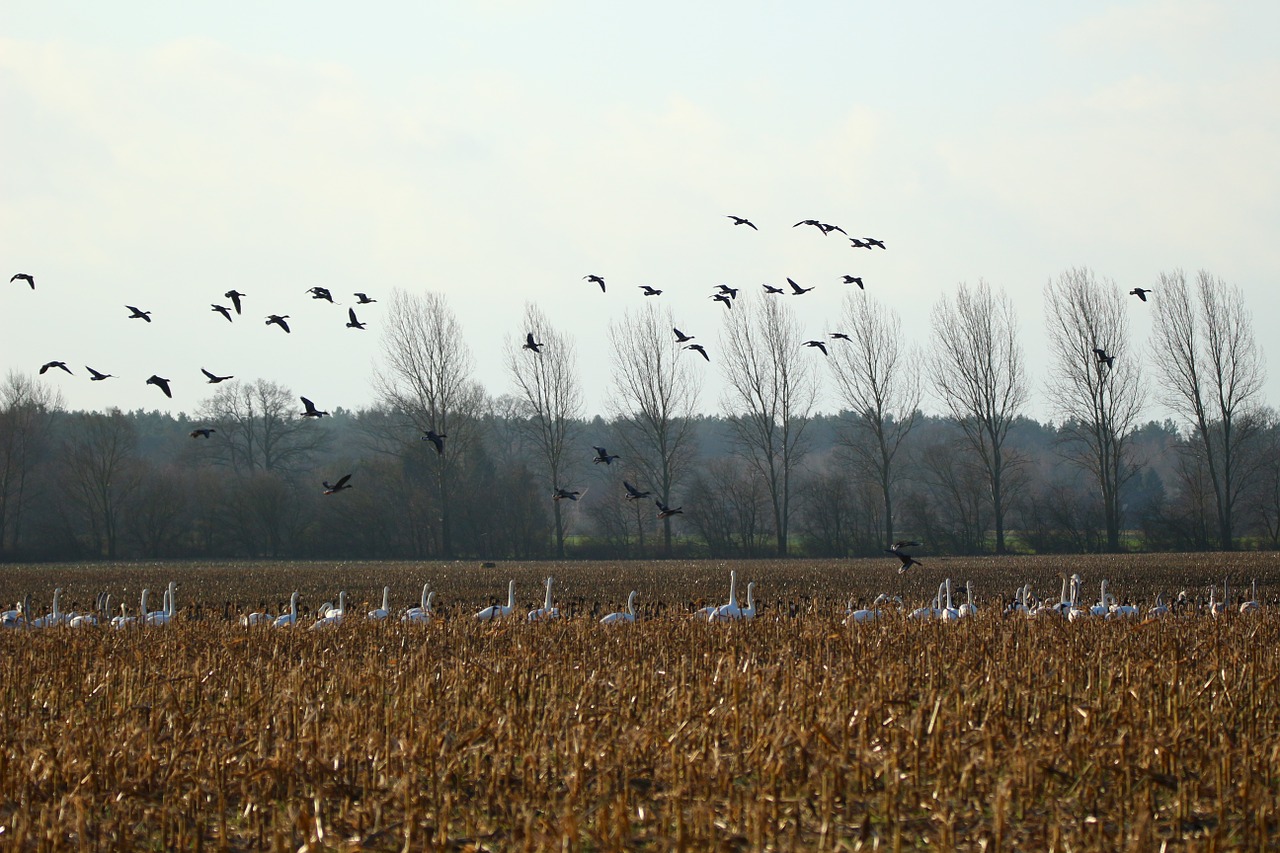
x,y
342,481
351,312
310,406
528,339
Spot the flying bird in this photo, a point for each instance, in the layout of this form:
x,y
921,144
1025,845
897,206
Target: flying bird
x,y
279,320
738,220
797,290
1140,292
839,336
769,288
907,560
334,488
311,410
202,432
234,296
665,511
224,311
95,376
214,379
603,455
139,314
698,349
595,278
827,229
650,291
873,242
815,223
817,345
363,298
1103,358
27,277
352,322
853,279
860,244
530,343
731,291
561,494
436,438
62,364
725,298
162,384
681,337
320,293
633,493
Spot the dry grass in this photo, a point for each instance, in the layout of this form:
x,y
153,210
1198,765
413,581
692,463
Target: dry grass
x,y
781,733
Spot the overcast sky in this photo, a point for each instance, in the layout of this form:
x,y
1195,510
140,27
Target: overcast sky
x,y
158,154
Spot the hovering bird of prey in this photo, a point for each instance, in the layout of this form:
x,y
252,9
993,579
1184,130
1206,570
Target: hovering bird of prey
x,y
603,455
234,296
334,488
562,494
162,384
202,432
595,278
698,349
1140,292
436,438
363,298
139,314
279,320
213,378
95,376
311,410
223,310
1103,358
797,290
738,220
665,511
61,364
633,493
27,277
650,291
530,343
817,345
853,279
320,293
769,288
725,298
681,337
839,336
352,322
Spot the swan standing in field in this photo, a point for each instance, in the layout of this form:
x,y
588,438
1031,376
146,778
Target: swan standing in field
x,y
498,611
1160,609
288,620
1103,607
422,604
929,612
1253,605
546,611
423,612
866,614
164,616
628,615
1217,608
16,618
258,617
385,610
969,608
328,610
749,612
731,610
55,615
949,613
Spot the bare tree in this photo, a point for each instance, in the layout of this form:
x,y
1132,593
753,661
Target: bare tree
x,y
977,372
551,397
771,390
1098,399
1211,371
101,474
427,380
259,428
27,410
655,392
878,375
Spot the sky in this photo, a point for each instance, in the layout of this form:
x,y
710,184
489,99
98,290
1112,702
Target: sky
x,y
158,155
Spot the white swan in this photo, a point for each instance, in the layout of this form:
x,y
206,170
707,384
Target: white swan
x,y
1160,608
628,615
385,610
1253,605
731,610
163,617
968,608
1103,607
288,620
422,613
338,612
497,611
930,612
866,614
949,613
55,616
410,614
258,617
749,612
17,618
546,611
1217,608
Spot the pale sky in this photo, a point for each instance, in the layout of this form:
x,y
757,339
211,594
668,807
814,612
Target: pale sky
x,y
159,154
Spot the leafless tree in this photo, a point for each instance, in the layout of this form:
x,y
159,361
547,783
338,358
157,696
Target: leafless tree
x,y
1098,400
878,375
101,474
551,395
977,372
259,429
426,378
655,391
1211,372
27,411
771,387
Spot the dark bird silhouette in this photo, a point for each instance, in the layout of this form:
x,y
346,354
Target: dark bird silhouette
x,y
859,244
27,277
815,223
139,314
873,242
603,455
732,292
907,560
681,337
162,384
530,343
595,278
738,220
769,288
213,379
839,336
665,511
224,311
334,488
1103,358
725,298
352,322
320,293
853,279
436,438
363,298
279,320
95,376
698,349
817,345
202,432
903,543
827,229
234,296
650,291
311,410
633,493
62,364
562,494
1140,292
797,290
